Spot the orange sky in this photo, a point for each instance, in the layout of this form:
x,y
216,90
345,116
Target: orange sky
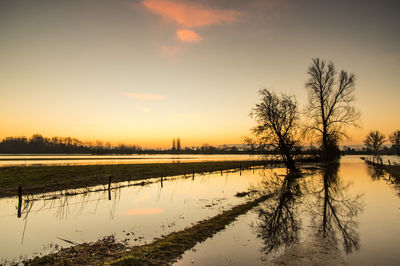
x,y
146,71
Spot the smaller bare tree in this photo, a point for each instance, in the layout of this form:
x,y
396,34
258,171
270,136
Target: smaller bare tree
x,y
374,141
277,123
395,140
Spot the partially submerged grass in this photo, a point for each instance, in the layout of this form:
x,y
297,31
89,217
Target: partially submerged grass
x,y
94,253
41,179
393,170
169,248
162,251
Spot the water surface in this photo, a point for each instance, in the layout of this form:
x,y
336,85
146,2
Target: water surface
x,y
135,214
63,159
353,205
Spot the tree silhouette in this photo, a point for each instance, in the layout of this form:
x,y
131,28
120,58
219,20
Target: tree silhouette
x,y
277,124
173,145
395,140
374,141
58,145
330,109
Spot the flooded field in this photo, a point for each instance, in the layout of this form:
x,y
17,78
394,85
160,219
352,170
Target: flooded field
x,y
351,205
62,159
137,213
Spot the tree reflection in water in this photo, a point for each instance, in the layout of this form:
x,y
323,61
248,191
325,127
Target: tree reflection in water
x,y
330,207
278,222
334,211
377,172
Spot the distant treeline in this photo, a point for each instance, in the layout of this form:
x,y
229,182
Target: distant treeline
x,y
38,144
365,151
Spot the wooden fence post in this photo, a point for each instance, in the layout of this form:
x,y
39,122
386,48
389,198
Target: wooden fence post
x,y
109,188
19,201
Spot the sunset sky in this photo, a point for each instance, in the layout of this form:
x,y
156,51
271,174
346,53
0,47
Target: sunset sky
x,y
147,71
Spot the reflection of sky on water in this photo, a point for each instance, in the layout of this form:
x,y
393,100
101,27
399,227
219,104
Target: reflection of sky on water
x,y
136,213
355,212
349,206
28,160
147,211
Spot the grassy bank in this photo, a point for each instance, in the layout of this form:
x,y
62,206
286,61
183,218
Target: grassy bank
x,y
163,251
40,179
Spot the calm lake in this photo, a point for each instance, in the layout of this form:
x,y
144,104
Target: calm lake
x,y
351,204
63,159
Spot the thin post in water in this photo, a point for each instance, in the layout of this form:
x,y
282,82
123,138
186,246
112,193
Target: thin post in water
x,y
19,201
109,183
109,188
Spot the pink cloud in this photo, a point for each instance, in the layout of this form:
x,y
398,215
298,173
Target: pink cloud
x,y
188,36
145,211
191,14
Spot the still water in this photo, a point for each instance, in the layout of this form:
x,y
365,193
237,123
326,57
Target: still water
x,y
63,159
352,205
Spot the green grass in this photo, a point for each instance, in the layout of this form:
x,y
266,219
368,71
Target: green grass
x,y
40,179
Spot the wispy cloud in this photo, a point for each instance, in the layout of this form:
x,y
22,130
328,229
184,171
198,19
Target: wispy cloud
x,y
191,14
188,36
145,96
169,51
142,108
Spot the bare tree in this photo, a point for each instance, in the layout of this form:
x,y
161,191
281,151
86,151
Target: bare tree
x,y
330,110
277,122
395,140
374,141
